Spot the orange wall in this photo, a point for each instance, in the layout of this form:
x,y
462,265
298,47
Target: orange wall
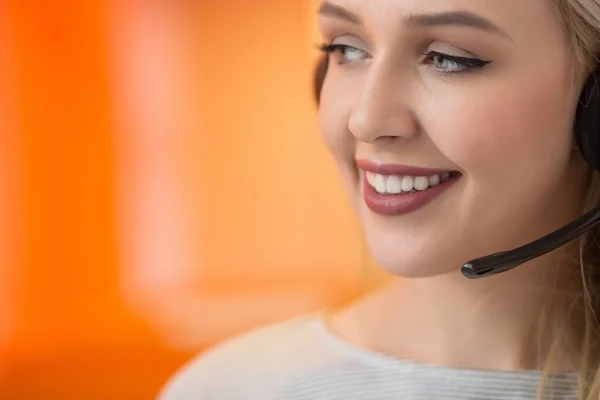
x,y
69,251
166,187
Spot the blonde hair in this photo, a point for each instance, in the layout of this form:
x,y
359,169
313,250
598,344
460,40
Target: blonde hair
x,y
581,23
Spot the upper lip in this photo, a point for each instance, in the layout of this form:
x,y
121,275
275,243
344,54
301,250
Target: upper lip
x,y
398,169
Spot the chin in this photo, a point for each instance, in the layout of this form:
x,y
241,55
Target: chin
x,y
411,251
406,265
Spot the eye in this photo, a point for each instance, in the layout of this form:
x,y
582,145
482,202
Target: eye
x,y
449,64
347,53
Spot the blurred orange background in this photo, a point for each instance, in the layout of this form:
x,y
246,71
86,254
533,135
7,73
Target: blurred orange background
x,y
164,187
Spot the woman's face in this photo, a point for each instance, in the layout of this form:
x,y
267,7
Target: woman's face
x,y
451,124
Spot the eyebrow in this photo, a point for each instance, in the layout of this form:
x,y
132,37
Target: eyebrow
x,y
328,9
449,18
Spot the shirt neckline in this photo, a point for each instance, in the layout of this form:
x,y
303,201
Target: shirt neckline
x,y
375,358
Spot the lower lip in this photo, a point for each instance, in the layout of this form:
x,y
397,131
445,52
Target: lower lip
x,y
400,204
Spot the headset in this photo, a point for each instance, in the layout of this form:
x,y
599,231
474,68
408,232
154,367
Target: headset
x,y
587,138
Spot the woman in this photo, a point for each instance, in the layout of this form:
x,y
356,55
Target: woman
x,y
451,122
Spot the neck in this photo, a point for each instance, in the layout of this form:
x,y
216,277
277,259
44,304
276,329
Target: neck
x,y
493,323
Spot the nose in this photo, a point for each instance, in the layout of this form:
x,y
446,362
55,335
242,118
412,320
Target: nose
x,y
382,110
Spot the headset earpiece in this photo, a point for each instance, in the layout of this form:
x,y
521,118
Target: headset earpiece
x,y
587,121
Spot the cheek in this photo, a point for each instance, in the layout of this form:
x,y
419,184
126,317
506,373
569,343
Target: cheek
x,y
526,131
334,113
514,147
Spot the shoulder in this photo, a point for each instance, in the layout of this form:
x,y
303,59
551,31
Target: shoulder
x,y
249,365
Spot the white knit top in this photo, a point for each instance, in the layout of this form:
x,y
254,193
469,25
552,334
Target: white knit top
x,y
300,359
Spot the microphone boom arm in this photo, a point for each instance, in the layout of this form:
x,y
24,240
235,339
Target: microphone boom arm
x,y
507,260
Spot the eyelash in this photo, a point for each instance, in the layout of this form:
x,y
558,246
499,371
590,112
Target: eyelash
x,y
466,64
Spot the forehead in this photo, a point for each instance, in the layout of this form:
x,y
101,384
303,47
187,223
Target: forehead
x,y
520,18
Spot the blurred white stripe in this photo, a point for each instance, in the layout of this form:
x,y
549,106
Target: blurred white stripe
x,y
159,239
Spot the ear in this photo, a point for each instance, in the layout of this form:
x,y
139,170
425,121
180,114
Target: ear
x,y
319,77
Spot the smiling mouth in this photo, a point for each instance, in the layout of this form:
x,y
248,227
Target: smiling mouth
x,y
395,189
406,184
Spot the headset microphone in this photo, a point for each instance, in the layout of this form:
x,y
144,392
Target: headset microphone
x,y
507,260
587,135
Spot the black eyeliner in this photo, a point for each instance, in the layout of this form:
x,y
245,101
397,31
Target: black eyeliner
x,y
472,62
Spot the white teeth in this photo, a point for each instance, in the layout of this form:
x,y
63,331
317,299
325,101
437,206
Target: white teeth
x,y
434,180
421,183
407,183
394,184
371,178
380,184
